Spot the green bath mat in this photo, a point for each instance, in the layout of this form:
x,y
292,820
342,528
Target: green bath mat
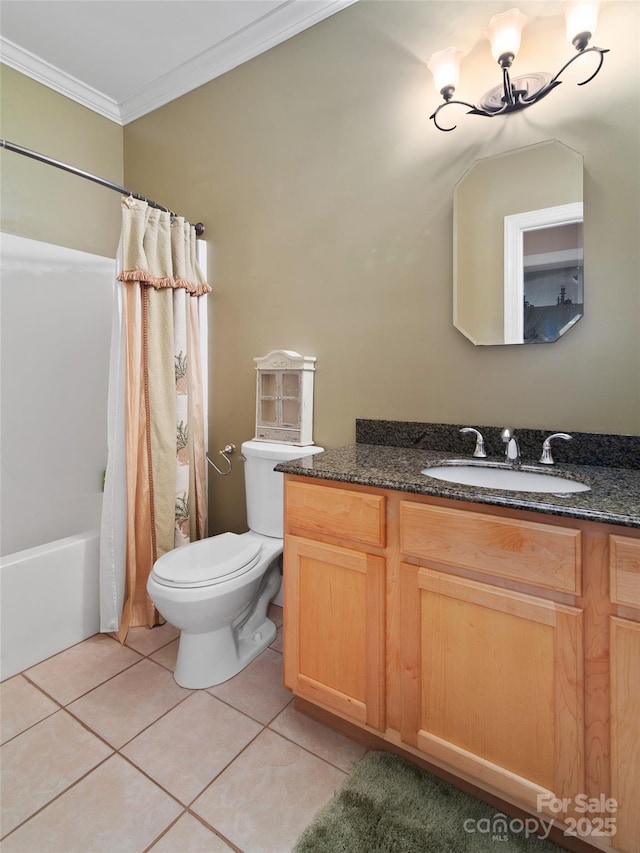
x,y
389,805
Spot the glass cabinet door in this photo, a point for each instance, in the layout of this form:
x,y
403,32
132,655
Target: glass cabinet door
x,y
268,401
290,399
279,403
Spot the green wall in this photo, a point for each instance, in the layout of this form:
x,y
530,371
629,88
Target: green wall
x,y
48,204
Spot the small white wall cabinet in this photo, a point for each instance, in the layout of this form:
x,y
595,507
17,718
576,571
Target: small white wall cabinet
x,y
284,397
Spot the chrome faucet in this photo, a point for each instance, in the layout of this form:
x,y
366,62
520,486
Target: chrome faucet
x,y
479,450
512,448
547,458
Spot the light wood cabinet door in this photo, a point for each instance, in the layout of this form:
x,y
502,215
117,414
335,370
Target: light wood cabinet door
x,y
334,628
493,684
625,725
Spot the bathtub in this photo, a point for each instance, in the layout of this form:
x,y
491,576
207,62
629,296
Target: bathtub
x,y
50,599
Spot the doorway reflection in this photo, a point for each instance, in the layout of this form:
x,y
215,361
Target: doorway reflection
x,y
553,281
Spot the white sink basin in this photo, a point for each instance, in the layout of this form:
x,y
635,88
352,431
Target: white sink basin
x,y
511,479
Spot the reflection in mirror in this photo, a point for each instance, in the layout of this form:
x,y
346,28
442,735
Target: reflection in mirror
x,y
518,247
543,273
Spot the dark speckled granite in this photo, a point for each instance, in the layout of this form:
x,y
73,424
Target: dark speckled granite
x,y
585,448
395,461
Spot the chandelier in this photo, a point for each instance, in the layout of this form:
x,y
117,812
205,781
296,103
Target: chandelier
x,y
504,33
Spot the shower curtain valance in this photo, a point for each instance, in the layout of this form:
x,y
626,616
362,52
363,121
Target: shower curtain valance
x,y
159,249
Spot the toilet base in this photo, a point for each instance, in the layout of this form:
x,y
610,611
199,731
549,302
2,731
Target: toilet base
x,y
205,660
211,657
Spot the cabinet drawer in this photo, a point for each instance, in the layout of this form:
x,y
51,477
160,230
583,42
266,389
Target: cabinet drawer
x,y
538,554
624,568
277,434
345,514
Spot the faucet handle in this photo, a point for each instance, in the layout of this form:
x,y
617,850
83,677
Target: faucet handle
x,y
547,458
479,450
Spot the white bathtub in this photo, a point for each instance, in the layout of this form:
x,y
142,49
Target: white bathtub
x,y
50,600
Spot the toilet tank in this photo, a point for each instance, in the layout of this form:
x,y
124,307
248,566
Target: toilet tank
x,y
263,485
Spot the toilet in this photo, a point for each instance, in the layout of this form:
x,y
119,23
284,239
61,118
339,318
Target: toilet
x,y
217,590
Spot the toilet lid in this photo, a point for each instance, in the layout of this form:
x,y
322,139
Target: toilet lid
x,y
208,561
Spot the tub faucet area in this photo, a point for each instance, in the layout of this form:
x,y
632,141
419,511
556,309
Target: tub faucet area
x,y
512,448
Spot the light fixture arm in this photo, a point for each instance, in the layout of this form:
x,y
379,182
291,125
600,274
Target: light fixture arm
x,y
508,96
512,97
581,52
449,102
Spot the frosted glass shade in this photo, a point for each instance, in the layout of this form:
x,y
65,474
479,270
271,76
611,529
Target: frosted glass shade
x,y
445,67
504,32
581,16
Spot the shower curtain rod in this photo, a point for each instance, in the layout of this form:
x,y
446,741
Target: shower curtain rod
x,y
11,146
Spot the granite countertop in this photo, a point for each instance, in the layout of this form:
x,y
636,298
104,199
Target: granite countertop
x,y
614,497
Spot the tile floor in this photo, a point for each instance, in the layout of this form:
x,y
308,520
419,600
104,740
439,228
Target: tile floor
x,y
102,752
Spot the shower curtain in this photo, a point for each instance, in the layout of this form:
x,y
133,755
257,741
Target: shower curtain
x,y
154,491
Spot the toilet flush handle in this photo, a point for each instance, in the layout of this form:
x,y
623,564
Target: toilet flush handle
x,y
225,453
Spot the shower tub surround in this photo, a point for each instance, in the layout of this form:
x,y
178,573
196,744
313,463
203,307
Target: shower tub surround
x,y
54,442
392,454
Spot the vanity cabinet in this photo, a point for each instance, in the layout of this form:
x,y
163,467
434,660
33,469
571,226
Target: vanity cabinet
x,y
334,600
501,646
493,680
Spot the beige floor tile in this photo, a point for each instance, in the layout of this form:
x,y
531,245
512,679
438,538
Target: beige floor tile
x,y
268,795
115,809
188,835
323,741
257,690
77,670
190,745
167,655
149,640
23,705
42,762
128,703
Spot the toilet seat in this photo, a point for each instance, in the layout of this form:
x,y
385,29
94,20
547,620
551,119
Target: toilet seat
x,y
208,561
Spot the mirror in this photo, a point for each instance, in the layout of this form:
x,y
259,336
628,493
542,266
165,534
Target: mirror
x,y
518,265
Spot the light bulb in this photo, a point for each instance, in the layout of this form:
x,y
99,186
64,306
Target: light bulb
x,y
504,33
581,18
445,67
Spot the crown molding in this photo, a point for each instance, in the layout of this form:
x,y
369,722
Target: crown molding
x,y
273,28
32,66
